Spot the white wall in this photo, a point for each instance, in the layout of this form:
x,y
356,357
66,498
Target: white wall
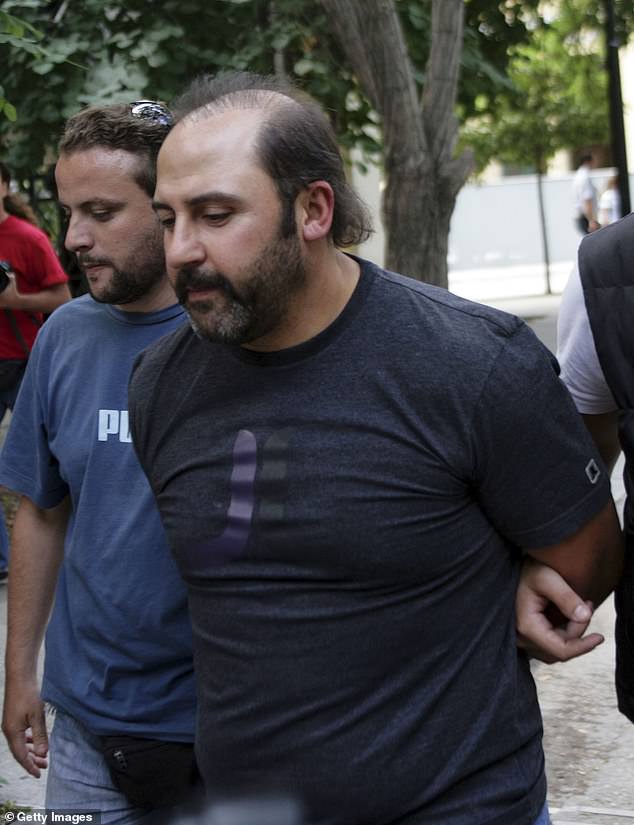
x,y
497,224
369,187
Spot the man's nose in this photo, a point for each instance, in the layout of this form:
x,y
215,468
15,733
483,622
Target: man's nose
x,y
183,247
78,238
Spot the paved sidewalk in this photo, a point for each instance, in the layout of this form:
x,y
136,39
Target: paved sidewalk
x,y
494,283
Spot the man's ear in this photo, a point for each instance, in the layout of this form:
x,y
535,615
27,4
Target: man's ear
x,y
316,206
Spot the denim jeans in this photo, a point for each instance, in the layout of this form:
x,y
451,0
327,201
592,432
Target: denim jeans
x,y
78,777
543,818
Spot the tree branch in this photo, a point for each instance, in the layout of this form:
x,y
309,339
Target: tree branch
x,y
441,77
371,37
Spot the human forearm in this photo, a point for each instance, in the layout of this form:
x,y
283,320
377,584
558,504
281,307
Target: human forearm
x,y
588,209
46,300
589,212
36,552
591,560
559,587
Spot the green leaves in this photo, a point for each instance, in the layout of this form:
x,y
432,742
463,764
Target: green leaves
x,y
17,34
556,97
18,29
8,109
25,39
58,56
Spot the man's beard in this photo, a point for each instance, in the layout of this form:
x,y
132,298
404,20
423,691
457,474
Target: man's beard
x,y
136,277
242,314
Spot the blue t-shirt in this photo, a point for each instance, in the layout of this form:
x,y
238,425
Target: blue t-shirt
x,y
118,645
347,514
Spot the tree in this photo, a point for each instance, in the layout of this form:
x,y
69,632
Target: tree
x,y
419,133
558,100
145,48
12,33
17,34
150,48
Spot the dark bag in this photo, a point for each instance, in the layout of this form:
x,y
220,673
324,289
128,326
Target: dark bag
x,y
11,373
152,774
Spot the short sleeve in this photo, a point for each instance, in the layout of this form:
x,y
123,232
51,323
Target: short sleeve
x,y
587,189
539,477
49,271
27,465
580,368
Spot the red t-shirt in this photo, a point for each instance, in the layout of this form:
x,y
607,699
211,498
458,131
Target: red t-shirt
x,y
36,267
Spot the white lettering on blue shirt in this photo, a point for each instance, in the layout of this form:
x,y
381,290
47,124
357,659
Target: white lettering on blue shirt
x,y
114,422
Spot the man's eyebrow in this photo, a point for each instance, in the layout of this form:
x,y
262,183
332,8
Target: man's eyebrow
x,y
215,196
98,202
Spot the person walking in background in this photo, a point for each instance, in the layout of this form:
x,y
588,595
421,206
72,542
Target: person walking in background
x,y
347,462
32,284
610,202
585,197
118,665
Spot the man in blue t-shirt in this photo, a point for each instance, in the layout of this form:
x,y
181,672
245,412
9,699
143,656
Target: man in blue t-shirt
x,y
349,466
87,540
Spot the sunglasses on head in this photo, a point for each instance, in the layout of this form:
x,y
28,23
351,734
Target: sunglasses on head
x,y
152,110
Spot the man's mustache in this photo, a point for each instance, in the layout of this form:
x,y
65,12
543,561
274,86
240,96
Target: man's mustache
x,y
188,279
85,261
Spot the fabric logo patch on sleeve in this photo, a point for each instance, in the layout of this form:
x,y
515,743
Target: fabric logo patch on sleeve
x,y
592,471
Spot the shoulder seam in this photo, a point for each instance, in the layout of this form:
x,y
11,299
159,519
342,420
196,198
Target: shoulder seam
x,y
507,330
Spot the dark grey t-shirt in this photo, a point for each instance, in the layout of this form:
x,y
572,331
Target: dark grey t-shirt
x,y
346,514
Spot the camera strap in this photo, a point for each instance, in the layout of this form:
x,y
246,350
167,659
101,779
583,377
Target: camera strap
x,y
15,329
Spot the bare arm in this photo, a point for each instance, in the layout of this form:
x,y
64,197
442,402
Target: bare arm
x,y
588,208
545,599
37,549
588,211
46,300
588,563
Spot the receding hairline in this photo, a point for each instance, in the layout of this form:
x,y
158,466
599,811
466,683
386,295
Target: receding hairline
x,y
265,101
260,104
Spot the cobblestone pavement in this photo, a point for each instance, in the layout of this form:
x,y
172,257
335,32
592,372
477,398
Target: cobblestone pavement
x,y
589,745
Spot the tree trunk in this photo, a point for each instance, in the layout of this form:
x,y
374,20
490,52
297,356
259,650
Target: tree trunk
x,y
416,214
422,175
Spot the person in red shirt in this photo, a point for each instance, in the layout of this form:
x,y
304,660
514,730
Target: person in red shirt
x,y
32,284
